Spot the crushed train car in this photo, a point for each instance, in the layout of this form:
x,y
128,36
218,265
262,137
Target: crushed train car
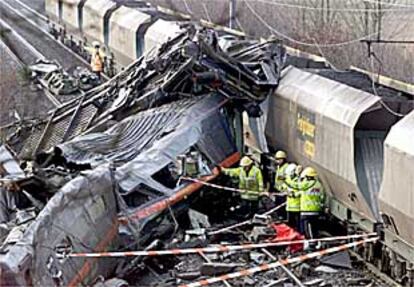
x,y
104,169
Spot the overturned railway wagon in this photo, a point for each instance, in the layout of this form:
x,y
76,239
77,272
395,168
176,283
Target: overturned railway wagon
x,y
334,122
87,213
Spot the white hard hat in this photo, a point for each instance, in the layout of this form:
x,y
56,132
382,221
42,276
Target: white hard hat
x,y
290,169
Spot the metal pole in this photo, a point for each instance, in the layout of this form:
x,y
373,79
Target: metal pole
x,y
232,14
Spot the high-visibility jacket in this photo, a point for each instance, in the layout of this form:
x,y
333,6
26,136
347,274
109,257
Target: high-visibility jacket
x,y
312,196
292,186
251,182
280,177
97,62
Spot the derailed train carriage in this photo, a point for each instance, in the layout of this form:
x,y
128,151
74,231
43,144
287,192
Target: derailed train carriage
x,y
330,120
362,151
89,211
149,127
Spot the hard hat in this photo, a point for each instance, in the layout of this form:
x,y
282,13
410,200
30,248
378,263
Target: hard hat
x,y
246,161
310,172
96,44
280,154
290,169
298,169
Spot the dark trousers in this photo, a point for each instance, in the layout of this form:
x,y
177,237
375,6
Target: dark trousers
x,y
98,74
293,218
309,225
248,208
280,199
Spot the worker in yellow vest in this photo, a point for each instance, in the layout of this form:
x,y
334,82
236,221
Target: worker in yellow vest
x,y
97,59
250,180
292,187
279,181
312,201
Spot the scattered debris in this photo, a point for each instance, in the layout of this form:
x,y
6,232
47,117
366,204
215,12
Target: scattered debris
x,y
339,260
325,269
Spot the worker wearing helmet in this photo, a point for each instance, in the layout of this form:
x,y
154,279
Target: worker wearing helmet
x,y
279,181
250,180
292,187
311,202
97,58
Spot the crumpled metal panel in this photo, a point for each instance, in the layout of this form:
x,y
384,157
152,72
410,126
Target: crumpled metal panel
x,y
397,190
313,118
128,138
84,214
203,126
8,164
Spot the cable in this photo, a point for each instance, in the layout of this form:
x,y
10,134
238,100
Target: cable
x,y
301,7
240,25
187,7
260,18
332,66
374,89
206,11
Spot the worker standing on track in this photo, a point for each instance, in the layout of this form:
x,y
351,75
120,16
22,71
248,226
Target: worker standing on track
x,y
292,188
312,202
280,176
97,59
250,179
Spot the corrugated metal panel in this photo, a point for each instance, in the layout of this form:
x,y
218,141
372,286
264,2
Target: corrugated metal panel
x,y
128,138
369,164
397,190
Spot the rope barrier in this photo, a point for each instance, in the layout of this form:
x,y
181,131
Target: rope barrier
x,y
266,267
215,249
226,187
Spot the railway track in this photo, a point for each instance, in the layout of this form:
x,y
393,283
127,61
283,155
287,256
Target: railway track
x,y
32,26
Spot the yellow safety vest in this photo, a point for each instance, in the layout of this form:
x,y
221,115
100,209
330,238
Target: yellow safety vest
x,y
252,182
280,174
312,196
292,186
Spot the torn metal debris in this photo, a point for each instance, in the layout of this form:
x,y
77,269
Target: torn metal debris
x,y
103,171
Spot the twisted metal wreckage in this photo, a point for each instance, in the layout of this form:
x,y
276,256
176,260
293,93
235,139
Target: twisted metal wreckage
x,y
102,171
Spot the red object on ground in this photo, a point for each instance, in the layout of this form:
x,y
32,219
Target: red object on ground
x,y
286,233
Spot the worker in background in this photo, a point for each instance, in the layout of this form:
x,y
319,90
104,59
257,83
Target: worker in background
x,y
280,176
312,201
292,187
250,179
97,58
